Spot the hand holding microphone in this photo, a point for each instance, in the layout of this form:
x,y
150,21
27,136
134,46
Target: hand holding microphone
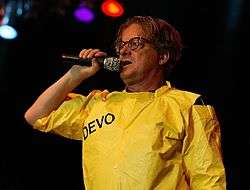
x,y
94,58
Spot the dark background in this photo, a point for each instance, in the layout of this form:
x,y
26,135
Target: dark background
x,y
212,33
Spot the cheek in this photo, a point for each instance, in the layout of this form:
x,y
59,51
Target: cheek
x,y
146,61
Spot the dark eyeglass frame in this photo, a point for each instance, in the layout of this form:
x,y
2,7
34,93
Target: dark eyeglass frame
x,y
133,44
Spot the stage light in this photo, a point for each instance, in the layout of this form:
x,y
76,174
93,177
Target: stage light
x,y
84,14
112,8
8,32
9,11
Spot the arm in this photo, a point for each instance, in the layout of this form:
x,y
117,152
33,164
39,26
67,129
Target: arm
x,y
202,150
53,96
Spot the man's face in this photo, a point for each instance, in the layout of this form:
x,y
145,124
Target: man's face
x,y
140,62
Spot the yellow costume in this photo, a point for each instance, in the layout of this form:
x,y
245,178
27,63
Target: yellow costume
x,y
142,141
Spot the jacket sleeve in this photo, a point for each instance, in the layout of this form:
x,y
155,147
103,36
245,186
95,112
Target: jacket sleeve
x,y
67,119
202,150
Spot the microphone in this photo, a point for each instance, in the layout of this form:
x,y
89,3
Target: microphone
x,y
109,63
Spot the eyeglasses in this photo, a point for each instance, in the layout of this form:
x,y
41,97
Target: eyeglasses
x,y
133,44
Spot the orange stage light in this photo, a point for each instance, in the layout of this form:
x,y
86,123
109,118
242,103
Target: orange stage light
x,y
112,8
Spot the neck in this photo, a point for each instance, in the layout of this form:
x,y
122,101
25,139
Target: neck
x,y
150,83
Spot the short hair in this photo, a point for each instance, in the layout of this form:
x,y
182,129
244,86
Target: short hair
x,y
163,35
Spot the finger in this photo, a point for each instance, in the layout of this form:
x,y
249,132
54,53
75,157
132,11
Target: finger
x,y
82,52
100,54
87,52
104,95
94,92
92,53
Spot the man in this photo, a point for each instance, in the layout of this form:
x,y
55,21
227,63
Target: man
x,y
149,136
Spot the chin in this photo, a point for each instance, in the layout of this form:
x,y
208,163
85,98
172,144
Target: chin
x,y
130,80
126,79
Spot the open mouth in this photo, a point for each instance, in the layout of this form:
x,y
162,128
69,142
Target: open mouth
x,y
126,62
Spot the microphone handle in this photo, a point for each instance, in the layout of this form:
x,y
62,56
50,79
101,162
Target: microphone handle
x,y
71,59
108,63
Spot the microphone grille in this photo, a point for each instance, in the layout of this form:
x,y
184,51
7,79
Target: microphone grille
x,y
112,64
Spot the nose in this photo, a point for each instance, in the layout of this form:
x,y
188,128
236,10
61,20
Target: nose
x,y
125,50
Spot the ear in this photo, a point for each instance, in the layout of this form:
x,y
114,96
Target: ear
x,y
164,58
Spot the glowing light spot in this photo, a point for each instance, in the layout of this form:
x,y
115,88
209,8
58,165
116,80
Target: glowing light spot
x,y
84,14
112,8
7,32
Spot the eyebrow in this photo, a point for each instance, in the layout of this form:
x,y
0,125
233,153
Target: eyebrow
x,y
132,38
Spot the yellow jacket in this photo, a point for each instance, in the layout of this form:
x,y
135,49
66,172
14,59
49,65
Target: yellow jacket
x,y
143,141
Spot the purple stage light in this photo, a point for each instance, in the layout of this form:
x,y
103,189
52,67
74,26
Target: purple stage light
x,y
84,14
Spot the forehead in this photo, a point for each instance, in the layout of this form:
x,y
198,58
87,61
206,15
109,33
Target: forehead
x,y
132,31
